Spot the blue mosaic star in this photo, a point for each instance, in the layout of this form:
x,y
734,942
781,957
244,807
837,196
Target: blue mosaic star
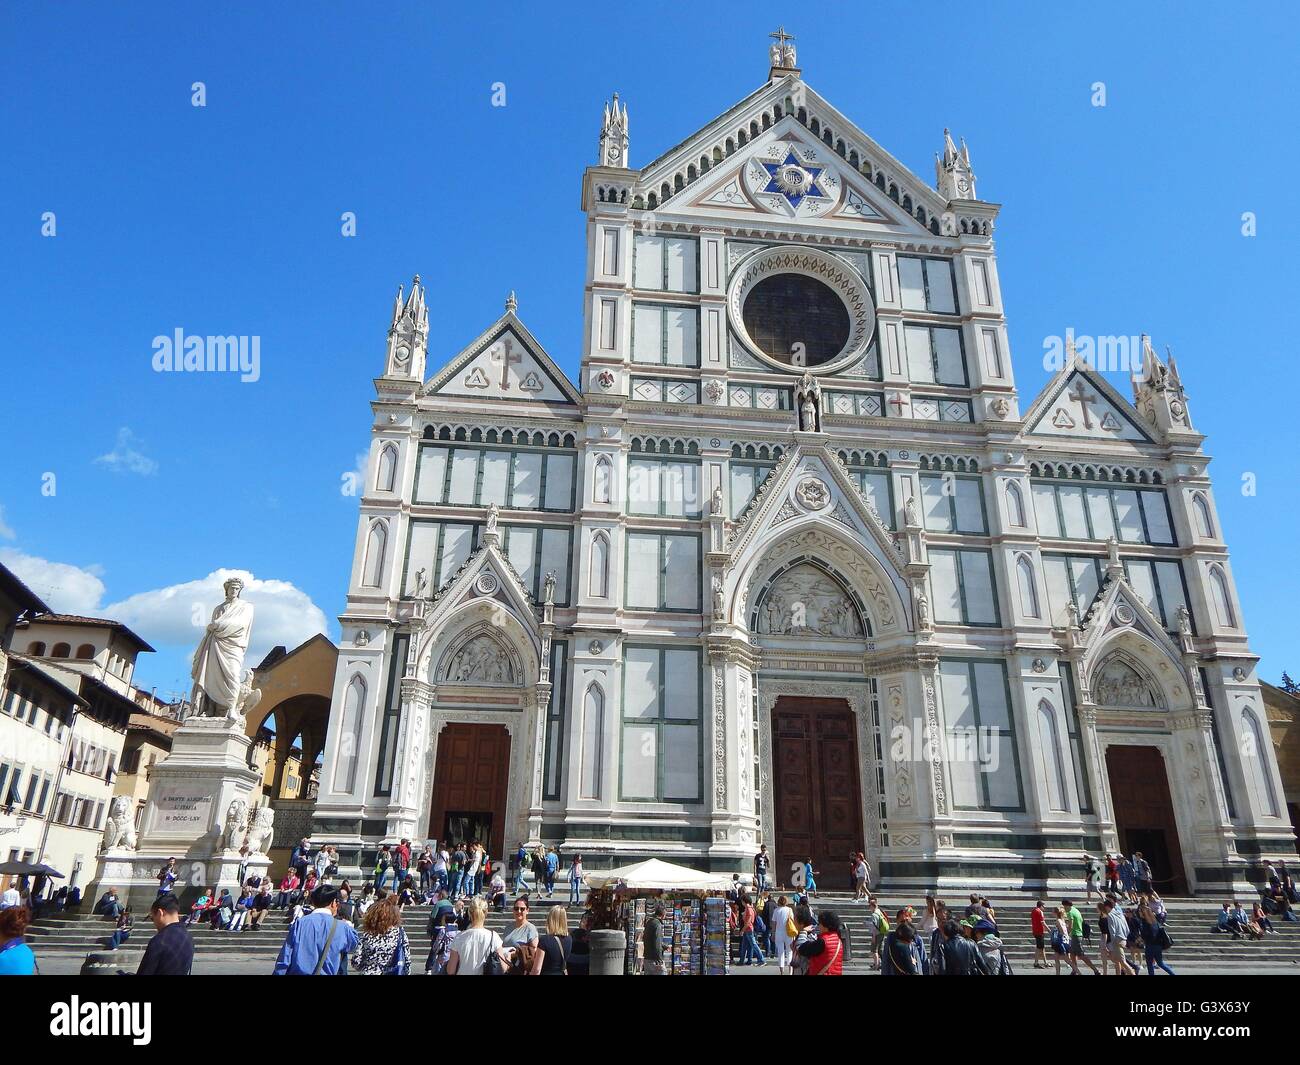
x,y
794,197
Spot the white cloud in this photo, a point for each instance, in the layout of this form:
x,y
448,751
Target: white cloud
x,y
177,614
67,588
127,456
6,530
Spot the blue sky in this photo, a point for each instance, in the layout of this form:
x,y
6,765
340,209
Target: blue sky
x,y
225,219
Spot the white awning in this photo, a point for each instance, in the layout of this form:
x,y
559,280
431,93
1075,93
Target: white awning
x,y
655,874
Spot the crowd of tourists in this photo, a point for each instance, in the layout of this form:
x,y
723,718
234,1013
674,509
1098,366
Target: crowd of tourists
x,y
335,928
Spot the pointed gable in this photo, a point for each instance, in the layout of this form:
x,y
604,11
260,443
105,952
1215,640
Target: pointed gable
x,y
787,174
715,167
505,362
1079,403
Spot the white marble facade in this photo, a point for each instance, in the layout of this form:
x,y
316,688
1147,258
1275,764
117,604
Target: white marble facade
x,y
999,593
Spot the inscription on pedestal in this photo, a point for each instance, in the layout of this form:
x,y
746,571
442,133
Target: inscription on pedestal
x,y
180,811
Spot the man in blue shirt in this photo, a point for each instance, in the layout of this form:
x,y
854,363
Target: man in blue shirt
x,y
552,865
317,942
171,951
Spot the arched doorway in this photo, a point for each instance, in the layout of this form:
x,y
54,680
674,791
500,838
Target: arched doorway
x,y
1144,813
804,611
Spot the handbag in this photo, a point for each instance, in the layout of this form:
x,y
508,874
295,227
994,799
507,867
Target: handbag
x,y
492,964
791,929
401,963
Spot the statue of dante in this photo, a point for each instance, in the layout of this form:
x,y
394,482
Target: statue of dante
x,y
219,658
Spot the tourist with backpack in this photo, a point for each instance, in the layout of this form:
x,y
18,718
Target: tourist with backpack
x,y
1076,953
383,862
879,925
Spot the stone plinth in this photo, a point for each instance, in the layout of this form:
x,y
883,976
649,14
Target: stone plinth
x,y
190,794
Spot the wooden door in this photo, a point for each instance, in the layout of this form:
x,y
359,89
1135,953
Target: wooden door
x,y
469,783
1144,813
817,789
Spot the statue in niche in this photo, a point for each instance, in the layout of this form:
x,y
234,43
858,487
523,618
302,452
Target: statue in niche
x,y
715,501
909,512
809,397
421,582
719,611
922,607
493,516
548,588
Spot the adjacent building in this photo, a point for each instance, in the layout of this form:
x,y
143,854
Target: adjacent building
x,y
791,562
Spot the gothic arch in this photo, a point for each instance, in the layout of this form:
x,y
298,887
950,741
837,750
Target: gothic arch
x,y
1121,678
479,657
602,480
851,561
1221,596
1256,764
372,571
436,648
1028,583
833,608
1201,512
598,567
1052,763
386,475
348,751
1015,505
591,756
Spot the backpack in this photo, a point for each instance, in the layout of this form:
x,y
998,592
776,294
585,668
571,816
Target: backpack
x,y
760,926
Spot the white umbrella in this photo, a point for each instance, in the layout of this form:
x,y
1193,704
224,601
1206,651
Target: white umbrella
x,y
654,874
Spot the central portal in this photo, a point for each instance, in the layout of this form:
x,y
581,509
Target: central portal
x,y
1144,813
817,793
469,786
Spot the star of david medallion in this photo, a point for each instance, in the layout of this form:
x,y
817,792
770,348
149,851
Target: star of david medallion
x,y
487,584
812,493
790,178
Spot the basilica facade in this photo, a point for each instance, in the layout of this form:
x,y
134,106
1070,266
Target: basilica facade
x,y
791,563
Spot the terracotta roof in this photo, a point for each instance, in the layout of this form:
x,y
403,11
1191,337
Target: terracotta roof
x,y
19,592
78,619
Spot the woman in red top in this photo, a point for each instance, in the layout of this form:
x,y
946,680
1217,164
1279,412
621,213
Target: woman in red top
x,y
825,954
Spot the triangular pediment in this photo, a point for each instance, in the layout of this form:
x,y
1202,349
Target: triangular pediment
x,y
1127,657
787,175
485,579
811,482
713,169
1119,610
1079,403
505,362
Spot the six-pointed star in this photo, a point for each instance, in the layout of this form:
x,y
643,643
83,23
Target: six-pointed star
x,y
794,196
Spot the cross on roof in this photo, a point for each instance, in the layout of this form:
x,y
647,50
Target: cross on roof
x,y
1083,399
780,36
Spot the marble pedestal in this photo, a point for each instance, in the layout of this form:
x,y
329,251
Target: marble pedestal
x,y
190,792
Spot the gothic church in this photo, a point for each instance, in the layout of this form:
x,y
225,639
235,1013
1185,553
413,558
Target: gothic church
x,y
791,563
